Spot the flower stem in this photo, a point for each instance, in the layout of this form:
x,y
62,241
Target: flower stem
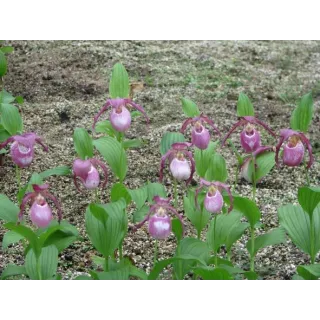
x,y
254,183
312,239
106,264
175,193
236,177
96,193
155,252
252,250
215,237
18,176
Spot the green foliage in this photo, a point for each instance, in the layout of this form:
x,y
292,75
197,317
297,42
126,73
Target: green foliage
x,y
244,106
13,270
309,198
310,272
3,64
119,191
302,115
209,273
203,159
57,171
8,210
119,83
189,108
217,169
168,139
114,154
83,143
11,119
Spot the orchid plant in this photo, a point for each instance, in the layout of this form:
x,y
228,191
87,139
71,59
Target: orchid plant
x,y
208,202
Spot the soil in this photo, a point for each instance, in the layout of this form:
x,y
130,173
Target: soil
x,y
65,83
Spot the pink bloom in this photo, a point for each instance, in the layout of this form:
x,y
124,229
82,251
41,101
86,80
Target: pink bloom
x,y
213,201
249,137
87,173
200,135
22,148
293,150
40,211
120,117
179,166
158,218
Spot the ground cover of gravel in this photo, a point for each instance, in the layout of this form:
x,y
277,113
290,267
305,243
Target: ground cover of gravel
x,y
65,83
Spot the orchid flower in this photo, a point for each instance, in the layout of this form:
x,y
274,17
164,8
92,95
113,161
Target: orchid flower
x,y
40,211
245,166
158,218
120,117
88,174
250,137
293,150
213,202
200,136
179,166
22,148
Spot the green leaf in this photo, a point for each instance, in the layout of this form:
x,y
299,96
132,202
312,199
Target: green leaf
x,y
28,234
106,237
139,196
235,233
208,273
8,210
203,158
12,270
140,214
309,272
309,198
220,232
119,83
248,208
135,272
244,106
19,99
155,189
83,277
83,143
302,115
297,224
4,135
199,218
6,97
276,236
107,128
11,119
35,179
168,139
47,264
3,64
177,228
11,237
251,275
114,154
217,170
189,108
133,143
7,49
264,164
57,171
193,248
119,191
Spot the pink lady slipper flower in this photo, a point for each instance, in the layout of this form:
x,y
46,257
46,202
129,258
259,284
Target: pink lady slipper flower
x,y
200,136
250,137
213,201
293,150
22,148
40,211
179,166
120,117
245,172
158,218
88,174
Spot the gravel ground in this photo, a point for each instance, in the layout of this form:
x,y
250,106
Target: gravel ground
x,y
65,83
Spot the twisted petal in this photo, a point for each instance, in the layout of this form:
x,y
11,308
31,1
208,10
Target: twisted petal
x,y
263,149
306,141
5,143
147,217
181,145
99,163
98,115
162,163
193,165
227,189
161,201
254,120
211,123
47,194
40,188
39,141
75,180
185,124
28,196
138,107
175,212
241,122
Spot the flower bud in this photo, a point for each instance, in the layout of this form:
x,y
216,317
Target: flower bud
x,y
200,136
160,226
250,139
293,152
21,155
41,214
213,201
120,118
180,169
